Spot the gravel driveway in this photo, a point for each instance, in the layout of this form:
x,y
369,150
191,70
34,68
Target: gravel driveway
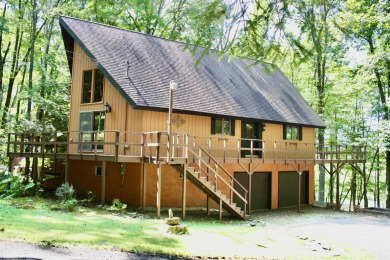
x,y
314,233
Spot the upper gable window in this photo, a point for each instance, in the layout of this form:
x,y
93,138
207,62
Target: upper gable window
x,y
92,86
292,132
222,125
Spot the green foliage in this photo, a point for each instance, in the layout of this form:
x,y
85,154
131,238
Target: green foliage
x,y
89,198
65,192
117,205
14,186
69,205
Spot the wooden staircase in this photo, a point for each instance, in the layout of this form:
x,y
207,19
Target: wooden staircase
x,y
211,178
206,186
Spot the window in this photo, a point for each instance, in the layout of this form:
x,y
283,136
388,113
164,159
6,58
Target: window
x,y
292,132
92,125
93,94
222,125
98,171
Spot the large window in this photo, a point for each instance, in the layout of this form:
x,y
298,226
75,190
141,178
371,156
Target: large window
x,y
92,86
222,125
92,126
292,132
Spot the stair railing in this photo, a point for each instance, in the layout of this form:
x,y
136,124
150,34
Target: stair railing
x,y
198,151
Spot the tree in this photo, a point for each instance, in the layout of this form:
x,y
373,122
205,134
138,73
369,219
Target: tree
x,y
366,23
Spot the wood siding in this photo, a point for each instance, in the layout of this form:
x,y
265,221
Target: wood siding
x,y
124,118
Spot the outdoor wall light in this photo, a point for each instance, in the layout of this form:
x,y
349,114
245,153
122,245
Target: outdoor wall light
x,y
264,125
173,85
107,107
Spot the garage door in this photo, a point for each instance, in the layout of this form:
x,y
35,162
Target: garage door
x,y
261,189
288,189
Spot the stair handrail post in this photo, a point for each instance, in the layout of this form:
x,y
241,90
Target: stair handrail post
x,y
231,190
246,198
216,177
200,161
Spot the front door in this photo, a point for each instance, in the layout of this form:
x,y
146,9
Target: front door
x,y
251,130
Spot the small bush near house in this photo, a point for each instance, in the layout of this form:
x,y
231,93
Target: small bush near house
x,y
66,194
117,205
69,205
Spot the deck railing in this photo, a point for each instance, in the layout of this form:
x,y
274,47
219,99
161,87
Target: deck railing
x,y
153,146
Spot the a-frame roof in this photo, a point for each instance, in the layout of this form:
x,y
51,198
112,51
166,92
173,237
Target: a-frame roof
x,y
141,66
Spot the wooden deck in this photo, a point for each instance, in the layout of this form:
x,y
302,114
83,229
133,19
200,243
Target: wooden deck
x,y
152,147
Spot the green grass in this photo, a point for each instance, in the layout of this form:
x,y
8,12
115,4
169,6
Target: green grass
x,y
31,220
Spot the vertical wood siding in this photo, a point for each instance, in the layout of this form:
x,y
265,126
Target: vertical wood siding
x,y
124,118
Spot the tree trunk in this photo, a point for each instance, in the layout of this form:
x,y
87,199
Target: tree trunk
x,y
30,80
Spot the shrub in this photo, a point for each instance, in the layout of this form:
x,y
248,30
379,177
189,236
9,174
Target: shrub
x,y
90,196
117,205
65,192
69,205
14,186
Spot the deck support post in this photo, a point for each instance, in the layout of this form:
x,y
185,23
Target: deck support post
x,y
250,194
158,190
337,188
220,209
103,182
184,190
299,171
143,186
299,187
11,165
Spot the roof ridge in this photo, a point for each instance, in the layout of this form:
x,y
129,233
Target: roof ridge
x,y
132,31
228,56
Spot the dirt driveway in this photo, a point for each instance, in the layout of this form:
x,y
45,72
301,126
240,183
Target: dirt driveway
x,y
328,233
313,234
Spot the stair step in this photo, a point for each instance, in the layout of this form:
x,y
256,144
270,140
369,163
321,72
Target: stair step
x,y
218,192
227,201
191,169
222,196
208,184
233,205
202,179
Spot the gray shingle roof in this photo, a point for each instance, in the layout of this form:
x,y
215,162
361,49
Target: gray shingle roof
x,y
228,88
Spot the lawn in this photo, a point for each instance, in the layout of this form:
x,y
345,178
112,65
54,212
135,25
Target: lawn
x,y
271,234
31,220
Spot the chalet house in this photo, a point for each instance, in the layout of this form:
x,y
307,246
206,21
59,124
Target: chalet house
x,y
149,127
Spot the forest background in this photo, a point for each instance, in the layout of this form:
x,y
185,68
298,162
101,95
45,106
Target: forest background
x,y
335,52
